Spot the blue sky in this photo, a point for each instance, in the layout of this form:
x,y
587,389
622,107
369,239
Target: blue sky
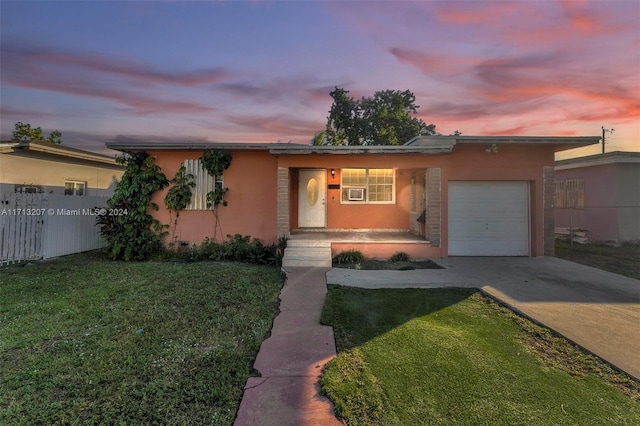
x,y
262,71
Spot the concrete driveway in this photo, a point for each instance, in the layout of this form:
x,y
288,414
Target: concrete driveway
x,y
598,310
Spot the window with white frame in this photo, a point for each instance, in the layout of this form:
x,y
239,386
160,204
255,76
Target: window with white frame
x,y
205,183
74,187
27,189
373,186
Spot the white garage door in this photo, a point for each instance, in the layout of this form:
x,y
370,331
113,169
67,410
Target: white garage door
x,y
489,218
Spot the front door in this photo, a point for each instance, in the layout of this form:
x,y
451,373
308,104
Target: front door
x,y
312,194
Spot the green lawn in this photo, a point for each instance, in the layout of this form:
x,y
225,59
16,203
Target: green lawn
x,y
451,356
623,260
88,341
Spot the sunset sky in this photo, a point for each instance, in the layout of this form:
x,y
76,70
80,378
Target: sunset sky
x,y
262,71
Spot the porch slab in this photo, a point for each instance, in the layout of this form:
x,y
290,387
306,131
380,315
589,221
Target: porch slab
x,y
372,243
357,235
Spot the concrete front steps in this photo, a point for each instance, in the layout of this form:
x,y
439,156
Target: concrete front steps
x,y
306,252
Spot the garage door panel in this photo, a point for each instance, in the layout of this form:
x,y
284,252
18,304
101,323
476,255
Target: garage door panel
x,y
488,218
481,248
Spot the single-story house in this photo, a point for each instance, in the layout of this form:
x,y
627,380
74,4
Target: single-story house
x,y
435,196
43,167
598,197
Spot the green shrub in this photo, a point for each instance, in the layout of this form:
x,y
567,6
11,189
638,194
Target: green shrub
x,y
348,256
207,250
240,248
130,231
236,248
400,257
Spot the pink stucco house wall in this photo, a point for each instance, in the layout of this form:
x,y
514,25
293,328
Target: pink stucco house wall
x,y
455,195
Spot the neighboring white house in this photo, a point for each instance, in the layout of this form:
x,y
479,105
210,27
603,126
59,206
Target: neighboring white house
x,y
43,167
599,196
48,197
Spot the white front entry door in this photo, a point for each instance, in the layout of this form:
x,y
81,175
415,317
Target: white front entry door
x,y
312,194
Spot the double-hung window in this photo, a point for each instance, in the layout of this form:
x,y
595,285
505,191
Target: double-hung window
x,y
73,187
367,186
205,183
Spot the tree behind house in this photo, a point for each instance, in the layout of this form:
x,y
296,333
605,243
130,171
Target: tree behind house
x,y
25,133
386,118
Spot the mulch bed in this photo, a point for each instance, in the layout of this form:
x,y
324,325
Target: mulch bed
x,y
373,264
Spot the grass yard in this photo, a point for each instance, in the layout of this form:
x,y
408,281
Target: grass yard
x,y
623,260
89,341
451,356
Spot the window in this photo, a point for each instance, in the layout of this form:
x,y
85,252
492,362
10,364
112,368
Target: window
x,y
204,184
72,187
28,189
374,186
569,194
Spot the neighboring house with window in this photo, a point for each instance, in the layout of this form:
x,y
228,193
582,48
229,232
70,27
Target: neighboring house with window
x,y
434,197
42,167
598,196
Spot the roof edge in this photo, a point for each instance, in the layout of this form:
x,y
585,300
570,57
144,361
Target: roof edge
x,y
55,149
144,146
419,144
613,157
281,148
561,143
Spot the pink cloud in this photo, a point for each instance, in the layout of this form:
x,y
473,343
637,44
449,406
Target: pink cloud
x,y
582,19
577,23
474,12
536,77
142,103
50,72
517,85
429,63
20,113
278,126
299,90
141,73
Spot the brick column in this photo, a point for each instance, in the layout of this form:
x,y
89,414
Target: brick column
x,y
548,210
282,226
433,178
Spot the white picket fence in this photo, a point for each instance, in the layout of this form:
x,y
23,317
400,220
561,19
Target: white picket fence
x,y
41,226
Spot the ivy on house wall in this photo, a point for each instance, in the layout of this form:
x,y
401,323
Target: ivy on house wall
x,y
135,234
179,195
215,162
131,232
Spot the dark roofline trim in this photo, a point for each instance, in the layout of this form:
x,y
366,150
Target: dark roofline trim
x,y
44,147
613,157
419,144
280,148
561,143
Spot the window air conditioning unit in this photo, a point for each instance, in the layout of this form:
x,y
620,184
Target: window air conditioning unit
x,y
356,194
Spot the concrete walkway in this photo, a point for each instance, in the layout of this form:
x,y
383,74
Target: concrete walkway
x,y
290,361
598,310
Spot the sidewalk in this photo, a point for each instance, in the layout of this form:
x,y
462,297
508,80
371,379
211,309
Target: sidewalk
x,y
290,361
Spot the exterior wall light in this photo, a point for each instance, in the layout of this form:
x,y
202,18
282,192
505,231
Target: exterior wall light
x,y
333,173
